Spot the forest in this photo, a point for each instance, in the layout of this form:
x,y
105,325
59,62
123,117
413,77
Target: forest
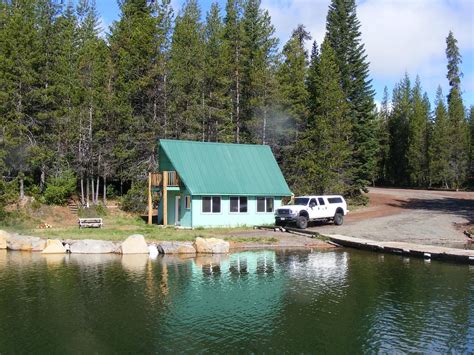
x,y
82,107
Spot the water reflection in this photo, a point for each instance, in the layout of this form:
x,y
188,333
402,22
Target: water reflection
x,y
267,301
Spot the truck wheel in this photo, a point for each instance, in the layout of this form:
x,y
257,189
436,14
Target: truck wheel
x,y
338,218
302,222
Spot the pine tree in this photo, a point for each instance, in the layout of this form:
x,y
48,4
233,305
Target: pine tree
x,y
343,34
471,160
439,150
292,78
458,125
324,164
383,137
186,66
258,58
416,143
20,53
398,126
217,125
233,42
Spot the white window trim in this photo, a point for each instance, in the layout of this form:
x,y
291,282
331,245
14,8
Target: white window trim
x,y
238,206
265,206
202,205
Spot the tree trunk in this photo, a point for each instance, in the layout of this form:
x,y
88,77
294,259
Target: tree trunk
x,y
82,191
92,191
42,178
97,191
22,187
87,192
237,108
104,198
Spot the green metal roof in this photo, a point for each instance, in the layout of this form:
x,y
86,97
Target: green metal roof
x,y
223,168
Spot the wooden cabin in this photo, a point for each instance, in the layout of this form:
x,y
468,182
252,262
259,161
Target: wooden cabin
x,y
203,184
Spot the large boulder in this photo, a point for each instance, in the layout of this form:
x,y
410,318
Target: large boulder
x,y
167,247
54,246
90,246
134,244
4,236
211,246
25,243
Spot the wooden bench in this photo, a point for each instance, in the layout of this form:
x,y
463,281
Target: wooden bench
x,y
90,223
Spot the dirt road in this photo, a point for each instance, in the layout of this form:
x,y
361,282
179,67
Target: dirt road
x,y
417,216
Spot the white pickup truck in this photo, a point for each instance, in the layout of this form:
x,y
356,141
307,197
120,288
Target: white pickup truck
x,y
312,208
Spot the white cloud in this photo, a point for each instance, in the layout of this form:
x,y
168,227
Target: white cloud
x,y
399,35
410,34
287,14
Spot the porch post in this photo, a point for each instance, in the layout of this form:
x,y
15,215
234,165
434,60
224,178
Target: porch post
x,y
150,203
165,198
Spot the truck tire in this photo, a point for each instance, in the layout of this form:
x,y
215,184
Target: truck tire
x,y
302,222
338,218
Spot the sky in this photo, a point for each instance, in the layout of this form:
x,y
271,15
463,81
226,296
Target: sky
x,y
399,36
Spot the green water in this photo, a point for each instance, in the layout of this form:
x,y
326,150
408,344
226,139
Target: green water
x,y
293,302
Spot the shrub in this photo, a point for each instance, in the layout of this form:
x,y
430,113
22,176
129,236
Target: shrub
x,y
135,200
59,189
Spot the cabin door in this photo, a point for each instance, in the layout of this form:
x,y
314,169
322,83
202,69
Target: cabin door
x,y
177,209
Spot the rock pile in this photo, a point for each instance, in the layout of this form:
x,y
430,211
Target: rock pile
x,y
134,244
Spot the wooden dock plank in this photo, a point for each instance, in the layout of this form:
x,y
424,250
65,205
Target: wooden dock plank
x,y
417,250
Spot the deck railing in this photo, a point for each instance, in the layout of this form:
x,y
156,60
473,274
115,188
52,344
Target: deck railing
x,y
173,178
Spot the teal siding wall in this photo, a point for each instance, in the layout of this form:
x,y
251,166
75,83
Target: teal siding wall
x,y
227,219
186,215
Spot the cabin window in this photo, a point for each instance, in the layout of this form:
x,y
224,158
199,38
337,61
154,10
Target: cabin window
x,y
334,200
211,204
238,204
187,202
321,201
265,204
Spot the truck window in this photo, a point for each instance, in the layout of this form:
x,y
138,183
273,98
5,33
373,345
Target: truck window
x,y
335,200
321,201
313,202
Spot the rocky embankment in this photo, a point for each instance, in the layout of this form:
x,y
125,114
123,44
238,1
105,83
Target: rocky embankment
x,y
134,244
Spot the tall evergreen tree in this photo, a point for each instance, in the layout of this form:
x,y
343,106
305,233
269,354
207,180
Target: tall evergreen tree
x,y
233,43
258,57
343,34
292,78
459,129
398,126
439,150
186,66
416,143
383,137
324,150
217,125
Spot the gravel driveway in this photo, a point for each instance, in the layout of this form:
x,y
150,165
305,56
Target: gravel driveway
x,y
417,216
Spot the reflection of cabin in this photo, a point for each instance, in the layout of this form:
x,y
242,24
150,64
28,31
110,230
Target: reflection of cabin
x,y
206,184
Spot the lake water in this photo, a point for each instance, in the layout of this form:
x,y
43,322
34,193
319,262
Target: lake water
x,y
342,301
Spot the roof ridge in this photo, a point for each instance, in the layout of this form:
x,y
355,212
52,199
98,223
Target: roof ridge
x,y
214,143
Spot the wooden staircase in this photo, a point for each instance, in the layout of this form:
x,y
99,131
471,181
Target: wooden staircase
x,y
73,206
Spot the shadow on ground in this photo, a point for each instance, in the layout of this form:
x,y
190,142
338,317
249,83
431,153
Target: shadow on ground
x,y
455,206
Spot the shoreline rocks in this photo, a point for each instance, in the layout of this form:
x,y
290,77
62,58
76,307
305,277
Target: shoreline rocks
x,y
170,247
92,246
134,244
211,246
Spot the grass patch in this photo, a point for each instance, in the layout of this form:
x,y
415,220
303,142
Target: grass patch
x,y
261,240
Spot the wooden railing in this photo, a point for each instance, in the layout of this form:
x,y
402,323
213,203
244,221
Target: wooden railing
x,y
172,178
